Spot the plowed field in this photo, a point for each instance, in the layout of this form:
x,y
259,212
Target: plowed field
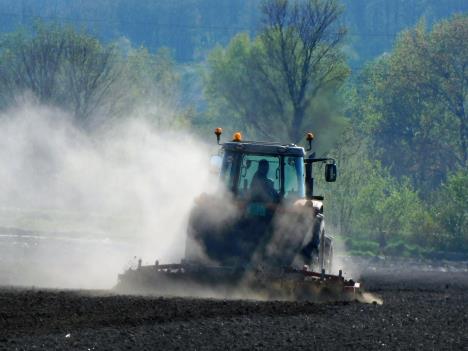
x,y
421,310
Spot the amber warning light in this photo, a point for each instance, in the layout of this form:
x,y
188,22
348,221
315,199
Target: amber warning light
x,y
237,137
310,137
218,132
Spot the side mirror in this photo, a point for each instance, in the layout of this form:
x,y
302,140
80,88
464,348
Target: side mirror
x,y
215,164
330,172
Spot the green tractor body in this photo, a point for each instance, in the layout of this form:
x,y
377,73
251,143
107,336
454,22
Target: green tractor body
x,y
261,215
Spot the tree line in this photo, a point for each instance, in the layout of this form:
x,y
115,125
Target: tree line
x,y
60,66
190,28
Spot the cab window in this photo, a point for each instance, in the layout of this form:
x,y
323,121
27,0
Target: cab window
x,y
250,166
229,170
293,177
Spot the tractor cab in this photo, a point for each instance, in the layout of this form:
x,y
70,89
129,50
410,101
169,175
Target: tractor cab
x,y
269,214
267,171
263,172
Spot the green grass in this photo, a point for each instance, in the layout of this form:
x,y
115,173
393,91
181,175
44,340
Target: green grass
x,y
395,248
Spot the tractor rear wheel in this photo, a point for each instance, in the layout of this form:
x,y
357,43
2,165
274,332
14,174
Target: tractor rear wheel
x,y
328,264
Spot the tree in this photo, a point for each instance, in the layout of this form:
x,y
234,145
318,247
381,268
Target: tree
x,y
270,82
375,23
90,76
355,169
299,40
450,208
413,103
59,66
386,209
440,70
153,87
31,63
72,70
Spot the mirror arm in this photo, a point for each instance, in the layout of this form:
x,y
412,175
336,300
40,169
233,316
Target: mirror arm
x,y
309,181
313,160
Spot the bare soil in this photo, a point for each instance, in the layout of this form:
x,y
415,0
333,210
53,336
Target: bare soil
x,y
421,310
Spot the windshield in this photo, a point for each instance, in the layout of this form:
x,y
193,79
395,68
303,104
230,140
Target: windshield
x,y
294,177
263,177
260,178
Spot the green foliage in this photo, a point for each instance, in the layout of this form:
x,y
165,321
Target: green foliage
x,y
273,84
386,208
153,72
374,24
59,66
368,205
396,247
72,70
366,202
231,89
350,153
153,88
191,28
356,245
451,211
412,102
403,175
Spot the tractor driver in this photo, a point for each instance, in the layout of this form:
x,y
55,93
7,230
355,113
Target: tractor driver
x,y
262,188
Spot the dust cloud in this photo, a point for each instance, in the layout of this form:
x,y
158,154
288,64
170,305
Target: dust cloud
x,y
77,207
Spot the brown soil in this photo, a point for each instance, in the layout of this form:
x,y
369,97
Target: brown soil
x,y
421,311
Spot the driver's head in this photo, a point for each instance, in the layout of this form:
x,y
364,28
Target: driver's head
x,y
263,167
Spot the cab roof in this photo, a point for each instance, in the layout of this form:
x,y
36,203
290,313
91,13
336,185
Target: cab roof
x,y
264,148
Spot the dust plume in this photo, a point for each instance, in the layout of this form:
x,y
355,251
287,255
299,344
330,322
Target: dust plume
x,y
76,206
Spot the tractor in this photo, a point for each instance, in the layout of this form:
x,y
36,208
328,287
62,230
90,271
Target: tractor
x,y
262,229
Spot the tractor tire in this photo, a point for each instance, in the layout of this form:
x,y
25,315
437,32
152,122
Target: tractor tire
x,y
325,252
311,246
328,264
